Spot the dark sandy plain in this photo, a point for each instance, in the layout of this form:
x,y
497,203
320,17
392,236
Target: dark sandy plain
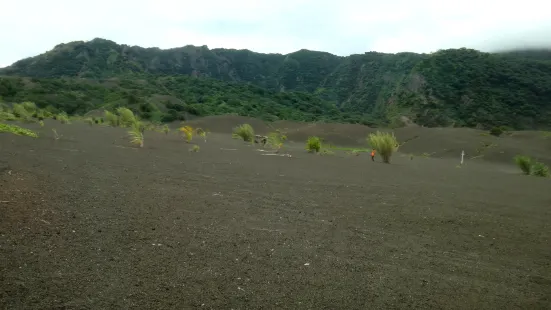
x,y
90,222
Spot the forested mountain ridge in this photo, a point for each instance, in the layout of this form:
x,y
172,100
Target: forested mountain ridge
x,y
460,87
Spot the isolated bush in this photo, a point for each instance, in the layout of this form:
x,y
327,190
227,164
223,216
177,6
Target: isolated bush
x,y
496,131
539,169
384,143
111,118
166,130
313,144
16,130
245,132
524,163
126,117
276,139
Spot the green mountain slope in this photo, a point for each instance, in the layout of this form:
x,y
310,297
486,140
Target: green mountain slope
x,y
167,98
460,87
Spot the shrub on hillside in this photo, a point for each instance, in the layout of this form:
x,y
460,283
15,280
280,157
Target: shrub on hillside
x,y
245,132
539,169
20,112
30,107
111,119
524,163
384,143
126,117
276,139
313,144
531,167
497,131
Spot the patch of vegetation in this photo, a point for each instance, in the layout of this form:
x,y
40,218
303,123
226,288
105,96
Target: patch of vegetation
x,y
111,118
7,116
187,131
348,149
16,130
524,163
126,117
313,144
136,134
166,130
276,139
384,143
539,169
496,131
195,148
245,132
531,167
201,133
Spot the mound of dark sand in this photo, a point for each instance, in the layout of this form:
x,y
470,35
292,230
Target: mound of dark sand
x,y
90,222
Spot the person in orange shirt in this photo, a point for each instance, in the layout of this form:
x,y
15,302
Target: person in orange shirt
x,y
373,155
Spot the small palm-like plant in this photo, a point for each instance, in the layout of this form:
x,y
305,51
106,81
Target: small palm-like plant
x,y
136,134
187,131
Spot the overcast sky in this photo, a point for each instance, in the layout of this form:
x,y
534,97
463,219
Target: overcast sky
x,y
342,27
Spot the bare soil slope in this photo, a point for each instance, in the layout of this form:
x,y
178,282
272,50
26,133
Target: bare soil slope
x,y
434,142
89,222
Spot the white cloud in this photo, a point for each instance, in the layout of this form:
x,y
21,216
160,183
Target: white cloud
x,y
342,27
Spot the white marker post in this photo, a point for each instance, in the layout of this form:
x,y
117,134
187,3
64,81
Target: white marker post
x,y
462,155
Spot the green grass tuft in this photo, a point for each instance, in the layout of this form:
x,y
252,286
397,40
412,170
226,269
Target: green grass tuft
x,y
524,163
245,132
539,169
